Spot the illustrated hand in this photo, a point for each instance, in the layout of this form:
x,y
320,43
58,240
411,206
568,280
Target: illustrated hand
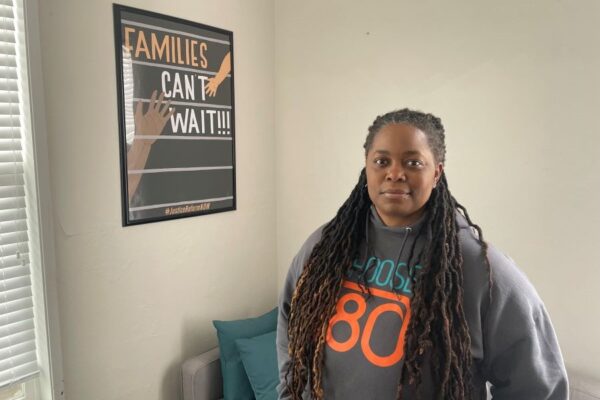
x,y
153,121
213,83
212,86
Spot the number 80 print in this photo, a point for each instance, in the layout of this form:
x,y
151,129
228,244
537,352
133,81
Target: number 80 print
x,y
351,318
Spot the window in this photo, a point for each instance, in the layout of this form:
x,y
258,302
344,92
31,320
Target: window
x,y
24,360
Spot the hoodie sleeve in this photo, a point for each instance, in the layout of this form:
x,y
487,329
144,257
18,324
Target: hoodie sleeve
x,y
285,299
522,356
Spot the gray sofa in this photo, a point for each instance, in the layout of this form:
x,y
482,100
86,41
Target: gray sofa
x,y
202,380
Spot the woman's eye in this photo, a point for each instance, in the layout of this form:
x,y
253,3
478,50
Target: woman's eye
x,y
415,163
380,162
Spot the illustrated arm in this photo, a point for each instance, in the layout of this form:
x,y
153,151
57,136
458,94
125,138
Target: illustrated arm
x,y
147,126
214,83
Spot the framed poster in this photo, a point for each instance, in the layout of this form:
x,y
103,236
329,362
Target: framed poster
x,y
176,116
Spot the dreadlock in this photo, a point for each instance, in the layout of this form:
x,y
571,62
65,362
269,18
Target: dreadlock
x,y
438,327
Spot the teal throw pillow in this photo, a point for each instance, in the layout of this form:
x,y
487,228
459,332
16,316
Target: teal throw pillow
x,y
235,382
259,356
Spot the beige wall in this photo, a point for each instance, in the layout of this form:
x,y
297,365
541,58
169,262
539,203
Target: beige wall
x,y
134,302
517,86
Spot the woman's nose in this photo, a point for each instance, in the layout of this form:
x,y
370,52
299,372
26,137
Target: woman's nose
x,y
396,173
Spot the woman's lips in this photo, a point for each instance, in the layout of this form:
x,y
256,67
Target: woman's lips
x,y
396,194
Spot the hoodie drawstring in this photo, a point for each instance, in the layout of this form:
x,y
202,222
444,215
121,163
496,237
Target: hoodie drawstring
x,y
407,230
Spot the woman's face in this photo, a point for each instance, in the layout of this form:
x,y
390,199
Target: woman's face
x,y
401,172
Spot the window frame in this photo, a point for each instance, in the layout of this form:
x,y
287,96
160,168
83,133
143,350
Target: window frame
x,y
44,282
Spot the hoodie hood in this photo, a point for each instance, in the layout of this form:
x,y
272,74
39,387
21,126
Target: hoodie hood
x,y
375,220
395,243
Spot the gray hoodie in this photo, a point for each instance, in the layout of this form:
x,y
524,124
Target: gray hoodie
x,y
513,344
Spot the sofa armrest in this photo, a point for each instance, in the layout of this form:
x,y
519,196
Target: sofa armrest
x,y
583,387
202,379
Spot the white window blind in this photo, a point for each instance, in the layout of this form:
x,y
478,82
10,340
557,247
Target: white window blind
x,y
17,336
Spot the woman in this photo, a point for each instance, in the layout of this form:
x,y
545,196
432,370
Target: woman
x,y
399,296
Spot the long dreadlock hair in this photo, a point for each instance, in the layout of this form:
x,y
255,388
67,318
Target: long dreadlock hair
x,y
437,327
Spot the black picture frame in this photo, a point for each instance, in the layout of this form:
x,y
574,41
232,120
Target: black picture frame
x,y
176,107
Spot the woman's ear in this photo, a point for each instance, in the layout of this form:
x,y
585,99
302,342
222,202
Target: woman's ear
x,y
439,170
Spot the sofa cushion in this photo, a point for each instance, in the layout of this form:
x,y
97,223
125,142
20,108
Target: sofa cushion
x,y
259,356
236,385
